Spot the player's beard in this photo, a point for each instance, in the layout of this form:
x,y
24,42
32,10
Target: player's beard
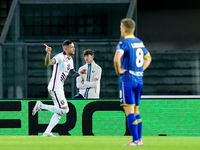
x,y
71,53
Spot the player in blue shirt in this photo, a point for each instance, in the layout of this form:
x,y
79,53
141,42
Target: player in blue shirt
x,y
130,60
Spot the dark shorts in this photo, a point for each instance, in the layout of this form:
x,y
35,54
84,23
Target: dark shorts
x,y
130,93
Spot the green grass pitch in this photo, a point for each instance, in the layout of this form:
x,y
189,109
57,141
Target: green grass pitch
x,y
97,143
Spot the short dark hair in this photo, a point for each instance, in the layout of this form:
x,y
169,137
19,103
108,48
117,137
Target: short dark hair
x,y
88,52
66,43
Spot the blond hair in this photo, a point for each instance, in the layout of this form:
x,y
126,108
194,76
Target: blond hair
x,y
129,24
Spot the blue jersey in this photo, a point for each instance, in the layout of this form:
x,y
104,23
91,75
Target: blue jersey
x,y
134,53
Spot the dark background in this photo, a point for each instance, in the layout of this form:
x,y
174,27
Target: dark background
x,y
168,28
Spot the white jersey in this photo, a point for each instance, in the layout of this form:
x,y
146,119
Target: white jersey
x,y
88,87
60,71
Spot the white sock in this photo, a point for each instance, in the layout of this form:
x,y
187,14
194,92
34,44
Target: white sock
x,y
53,122
55,109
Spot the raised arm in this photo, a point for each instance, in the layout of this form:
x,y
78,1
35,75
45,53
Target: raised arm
x,y
48,61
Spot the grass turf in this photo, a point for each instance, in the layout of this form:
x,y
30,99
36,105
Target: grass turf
x,y
96,143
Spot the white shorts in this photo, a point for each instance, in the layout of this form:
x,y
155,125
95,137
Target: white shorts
x,y
58,98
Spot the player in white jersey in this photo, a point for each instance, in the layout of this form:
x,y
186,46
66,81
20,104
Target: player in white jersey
x,y
88,82
63,63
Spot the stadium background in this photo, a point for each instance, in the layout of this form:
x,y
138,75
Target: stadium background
x,y
169,29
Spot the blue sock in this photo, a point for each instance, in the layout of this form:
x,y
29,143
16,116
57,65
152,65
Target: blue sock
x,y
139,121
132,123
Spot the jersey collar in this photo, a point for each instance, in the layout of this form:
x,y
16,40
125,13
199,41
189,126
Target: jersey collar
x,y
64,53
129,36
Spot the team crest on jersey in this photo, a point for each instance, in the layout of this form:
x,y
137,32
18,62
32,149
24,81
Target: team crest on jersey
x,y
62,102
93,71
